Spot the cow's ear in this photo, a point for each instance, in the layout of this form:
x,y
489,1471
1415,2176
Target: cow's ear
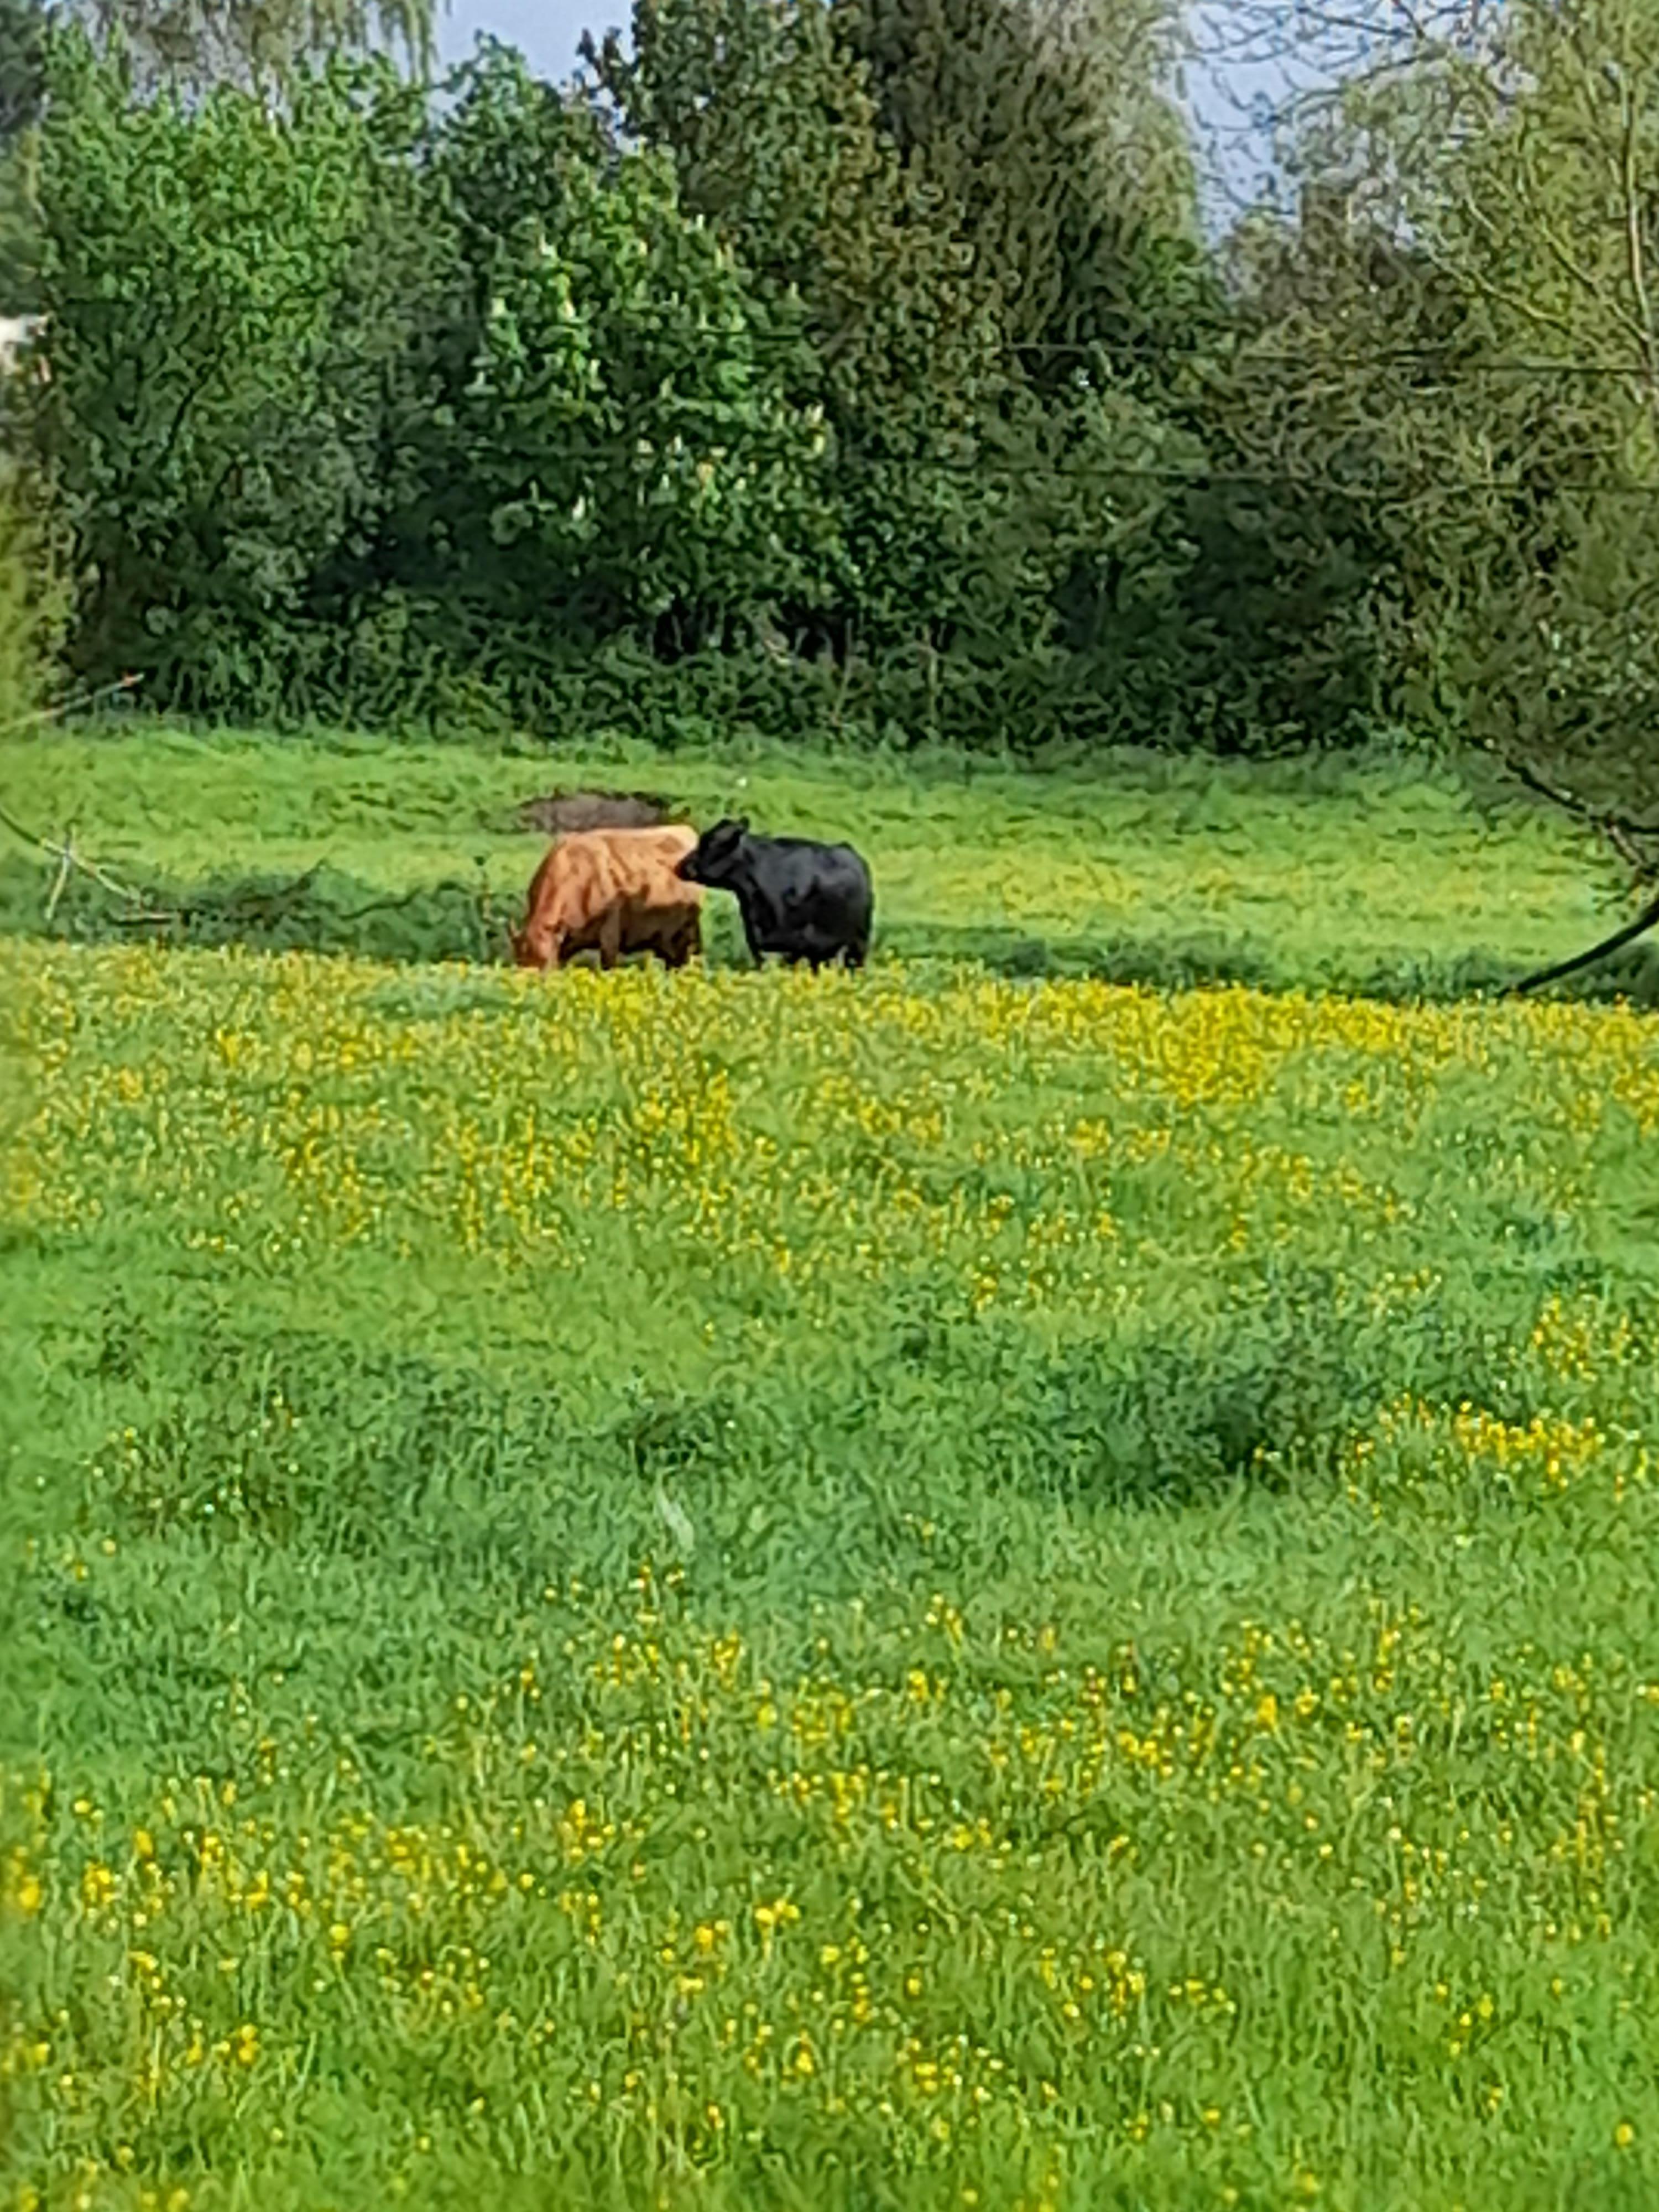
x,y
741,825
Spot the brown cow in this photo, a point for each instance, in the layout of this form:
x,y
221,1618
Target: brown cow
x,y
613,891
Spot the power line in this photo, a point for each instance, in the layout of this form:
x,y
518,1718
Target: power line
x,y
689,457
1191,354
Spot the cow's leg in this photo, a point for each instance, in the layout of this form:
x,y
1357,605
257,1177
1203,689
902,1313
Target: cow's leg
x,y
610,939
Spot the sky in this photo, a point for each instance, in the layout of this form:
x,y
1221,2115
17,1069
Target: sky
x,y
546,30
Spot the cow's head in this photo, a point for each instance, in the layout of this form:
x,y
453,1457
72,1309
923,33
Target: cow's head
x,y
713,860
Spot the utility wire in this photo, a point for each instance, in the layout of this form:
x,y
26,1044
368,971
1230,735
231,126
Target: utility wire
x,y
1063,467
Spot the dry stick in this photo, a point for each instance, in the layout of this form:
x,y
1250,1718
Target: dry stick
x,y
65,862
66,855
256,906
275,903
1622,843
68,706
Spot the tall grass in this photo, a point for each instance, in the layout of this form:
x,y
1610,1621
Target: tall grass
x,y
768,1591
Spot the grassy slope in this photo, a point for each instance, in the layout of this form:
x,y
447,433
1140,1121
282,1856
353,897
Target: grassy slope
x,y
1277,1769
1345,874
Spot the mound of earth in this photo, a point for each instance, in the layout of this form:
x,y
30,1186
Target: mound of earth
x,y
558,812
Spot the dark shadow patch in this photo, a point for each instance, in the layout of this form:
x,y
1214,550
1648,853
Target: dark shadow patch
x,y
298,1435
1633,974
1193,962
666,1438
1174,963
325,911
560,813
1265,1384
322,911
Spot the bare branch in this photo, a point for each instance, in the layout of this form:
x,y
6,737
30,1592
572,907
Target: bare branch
x,y
1643,921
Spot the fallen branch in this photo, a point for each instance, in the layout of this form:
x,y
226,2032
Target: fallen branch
x,y
261,909
1620,840
254,906
268,907
265,908
66,863
67,858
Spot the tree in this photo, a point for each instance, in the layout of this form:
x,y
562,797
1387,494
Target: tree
x,y
23,25
1539,196
193,45
1336,491
1510,159
625,450
223,286
22,67
1045,132
775,138
972,490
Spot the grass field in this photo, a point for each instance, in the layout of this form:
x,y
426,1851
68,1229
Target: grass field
x,y
1354,876
920,1589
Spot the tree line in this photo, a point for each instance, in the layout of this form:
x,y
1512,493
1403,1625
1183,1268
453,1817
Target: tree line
x,y
863,363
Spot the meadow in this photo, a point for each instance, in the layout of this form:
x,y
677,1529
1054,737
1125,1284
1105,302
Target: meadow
x,y
1380,874
922,1590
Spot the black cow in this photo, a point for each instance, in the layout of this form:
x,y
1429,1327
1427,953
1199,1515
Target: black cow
x,y
807,902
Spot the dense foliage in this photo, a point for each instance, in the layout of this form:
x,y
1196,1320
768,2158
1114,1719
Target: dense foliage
x,y
856,362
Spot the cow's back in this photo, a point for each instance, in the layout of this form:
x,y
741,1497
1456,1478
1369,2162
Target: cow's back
x,y
806,900
596,868
624,877
645,860
799,871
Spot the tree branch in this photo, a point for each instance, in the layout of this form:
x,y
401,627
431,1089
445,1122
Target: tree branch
x,y
1645,920
67,858
1612,825
1634,258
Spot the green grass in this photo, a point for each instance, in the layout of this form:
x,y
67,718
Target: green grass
x,y
1378,875
759,1591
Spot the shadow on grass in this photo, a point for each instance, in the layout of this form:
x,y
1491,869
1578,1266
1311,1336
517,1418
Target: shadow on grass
x,y
1172,963
327,910
1185,962
323,911
299,1438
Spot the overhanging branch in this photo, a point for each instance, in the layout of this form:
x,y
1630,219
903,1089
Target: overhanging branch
x,y
1645,920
